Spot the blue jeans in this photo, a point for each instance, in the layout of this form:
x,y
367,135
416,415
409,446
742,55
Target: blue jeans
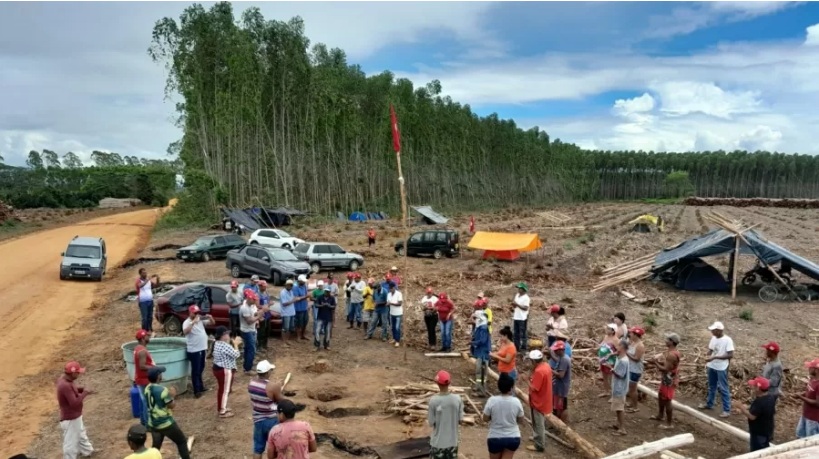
x,y
324,327
381,315
261,429
521,339
806,428
197,360
146,311
288,324
395,324
354,312
143,413
315,319
249,340
718,381
446,334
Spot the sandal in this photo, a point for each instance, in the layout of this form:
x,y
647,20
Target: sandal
x,y
632,410
619,432
226,414
656,418
666,427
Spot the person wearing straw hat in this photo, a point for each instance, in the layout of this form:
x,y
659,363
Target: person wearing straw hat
x,y
720,353
445,413
669,365
760,414
540,399
809,421
520,306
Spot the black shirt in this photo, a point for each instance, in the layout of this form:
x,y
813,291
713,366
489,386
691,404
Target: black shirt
x,y
764,408
326,307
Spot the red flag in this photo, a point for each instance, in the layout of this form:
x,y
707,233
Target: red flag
x,y
396,134
471,224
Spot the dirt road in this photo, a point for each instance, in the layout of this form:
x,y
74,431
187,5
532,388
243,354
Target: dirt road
x,y
38,311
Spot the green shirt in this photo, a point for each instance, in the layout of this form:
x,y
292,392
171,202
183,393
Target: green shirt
x,y
159,414
317,293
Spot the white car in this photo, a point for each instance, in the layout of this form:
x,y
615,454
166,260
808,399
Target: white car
x,y
274,238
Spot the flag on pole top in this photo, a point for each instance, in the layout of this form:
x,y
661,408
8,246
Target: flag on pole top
x,y
396,134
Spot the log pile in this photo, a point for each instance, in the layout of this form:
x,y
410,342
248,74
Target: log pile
x,y
412,402
6,212
555,217
630,271
756,202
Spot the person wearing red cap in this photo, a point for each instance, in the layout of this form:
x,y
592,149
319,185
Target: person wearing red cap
x,y
445,413
250,316
540,399
197,345
760,414
70,397
809,421
556,322
482,304
234,301
669,365
142,363
773,370
430,317
562,380
446,309
636,351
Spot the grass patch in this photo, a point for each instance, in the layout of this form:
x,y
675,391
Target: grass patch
x,y
747,314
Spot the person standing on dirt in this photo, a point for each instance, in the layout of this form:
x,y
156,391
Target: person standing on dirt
x,y
355,288
290,439
520,306
288,301
160,414
197,345
669,365
382,312
507,352
556,322
225,353
315,294
136,438
773,370
393,277
479,348
607,356
395,300
540,399
371,237
142,363
254,284
619,386
234,300
324,320
369,305
562,380
250,315
265,395
301,306
636,351
70,397
503,413
760,414
720,353
445,413
809,421
619,319
145,298
445,309
430,317
263,332
482,304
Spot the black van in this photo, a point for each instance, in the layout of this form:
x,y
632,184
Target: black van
x,y
431,242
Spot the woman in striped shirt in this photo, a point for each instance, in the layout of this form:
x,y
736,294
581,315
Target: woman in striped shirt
x,y
225,353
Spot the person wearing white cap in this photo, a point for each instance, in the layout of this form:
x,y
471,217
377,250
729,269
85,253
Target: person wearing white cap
x,y
540,399
288,299
264,398
720,353
301,295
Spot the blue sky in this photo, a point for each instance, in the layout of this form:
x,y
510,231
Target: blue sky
x,y
663,76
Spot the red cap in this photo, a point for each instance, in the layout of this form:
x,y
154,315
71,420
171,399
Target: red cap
x,y
637,331
350,275
73,367
554,308
558,346
812,364
234,284
429,290
480,303
760,382
193,309
442,296
357,275
772,346
263,283
251,295
141,334
443,378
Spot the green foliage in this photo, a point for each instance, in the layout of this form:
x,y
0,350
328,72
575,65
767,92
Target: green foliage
x,y
747,314
678,185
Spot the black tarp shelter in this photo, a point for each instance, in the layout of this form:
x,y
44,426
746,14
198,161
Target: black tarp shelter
x,y
430,216
254,218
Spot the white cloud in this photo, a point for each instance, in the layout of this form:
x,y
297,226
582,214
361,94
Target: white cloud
x,y
686,97
686,19
812,38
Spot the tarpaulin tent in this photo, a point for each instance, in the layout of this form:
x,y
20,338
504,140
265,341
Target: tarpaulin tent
x,y
504,246
430,216
254,218
242,217
341,216
695,275
358,217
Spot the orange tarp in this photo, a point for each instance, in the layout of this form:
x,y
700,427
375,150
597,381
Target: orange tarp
x,y
483,240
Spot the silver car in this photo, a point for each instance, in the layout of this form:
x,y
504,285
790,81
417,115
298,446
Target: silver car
x,y
326,256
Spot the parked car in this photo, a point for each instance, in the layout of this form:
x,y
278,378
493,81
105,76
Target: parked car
x,y
84,258
209,247
274,238
431,242
172,306
274,264
324,255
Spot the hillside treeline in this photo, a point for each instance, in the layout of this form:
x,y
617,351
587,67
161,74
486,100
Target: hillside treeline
x,y
66,182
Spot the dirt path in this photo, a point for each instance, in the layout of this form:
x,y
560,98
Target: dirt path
x,y
39,310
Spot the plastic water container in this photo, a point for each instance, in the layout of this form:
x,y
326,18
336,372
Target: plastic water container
x,y
168,352
136,401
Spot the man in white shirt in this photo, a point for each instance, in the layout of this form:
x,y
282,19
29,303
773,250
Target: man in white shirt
x,y
250,315
720,353
197,345
395,300
356,289
521,317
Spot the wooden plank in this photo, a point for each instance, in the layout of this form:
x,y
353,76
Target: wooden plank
x,y
442,354
407,449
736,267
783,448
650,449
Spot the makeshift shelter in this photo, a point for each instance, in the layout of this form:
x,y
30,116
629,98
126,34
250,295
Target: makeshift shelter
x,y
341,216
643,223
504,246
695,275
640,228
429,216
254,218
358,217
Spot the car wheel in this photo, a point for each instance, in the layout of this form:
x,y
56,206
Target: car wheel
x,y
99,279
286,246
315,267
235,271
400,251
254,243
205,257
61,276
277,278
354,265
437,254
172,326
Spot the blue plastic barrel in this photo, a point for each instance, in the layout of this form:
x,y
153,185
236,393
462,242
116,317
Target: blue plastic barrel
x,y
136,401
169,352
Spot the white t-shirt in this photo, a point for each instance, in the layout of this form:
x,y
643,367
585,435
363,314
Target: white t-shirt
x,y
395,297
557,324
247,311
431,300
521,300
720,347
197,339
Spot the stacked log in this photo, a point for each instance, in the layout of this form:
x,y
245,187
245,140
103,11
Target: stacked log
x,y
412,402
755,202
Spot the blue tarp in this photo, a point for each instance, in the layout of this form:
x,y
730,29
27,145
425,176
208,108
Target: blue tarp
x,y
358,217
698,276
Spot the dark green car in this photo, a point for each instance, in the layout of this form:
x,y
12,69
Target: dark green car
x,y
207,248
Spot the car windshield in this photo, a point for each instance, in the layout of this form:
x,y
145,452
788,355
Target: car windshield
x,y
283,233
203,241
283,255
83,251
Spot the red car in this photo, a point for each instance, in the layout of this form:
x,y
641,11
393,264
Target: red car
x,y
172,306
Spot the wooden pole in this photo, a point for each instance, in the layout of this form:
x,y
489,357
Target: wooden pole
x,y
671,455
805,453
783,448
736,266
650,449
583,445
404,217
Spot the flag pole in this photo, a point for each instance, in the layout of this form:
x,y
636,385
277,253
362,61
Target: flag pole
x,y
396,141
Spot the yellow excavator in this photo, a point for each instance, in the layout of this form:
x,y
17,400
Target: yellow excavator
x,y
643,223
